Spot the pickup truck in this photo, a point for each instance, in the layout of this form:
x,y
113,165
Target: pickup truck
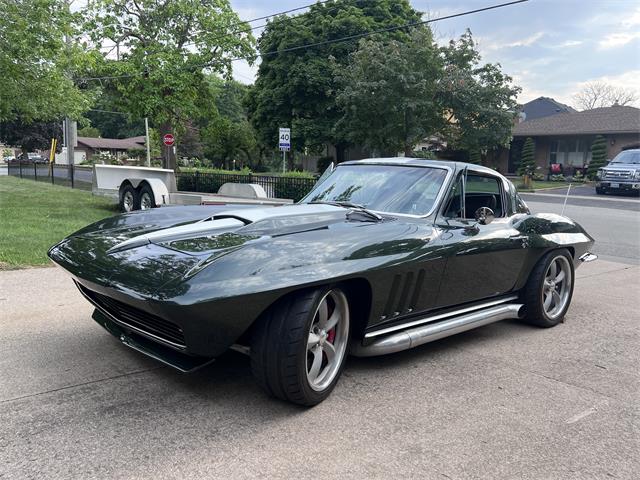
x,y
622,174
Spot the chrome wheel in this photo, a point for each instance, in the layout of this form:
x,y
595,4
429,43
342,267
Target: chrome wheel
x,y
145,201
127,201
327,340
556,288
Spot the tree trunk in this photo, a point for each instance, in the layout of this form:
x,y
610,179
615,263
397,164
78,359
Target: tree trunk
x,y
168,153
408,150
340,152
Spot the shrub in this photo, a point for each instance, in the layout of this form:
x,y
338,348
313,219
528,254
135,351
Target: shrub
x,y
558,178
527,164
598,156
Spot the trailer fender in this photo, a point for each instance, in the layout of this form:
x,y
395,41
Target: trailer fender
x,y
158,187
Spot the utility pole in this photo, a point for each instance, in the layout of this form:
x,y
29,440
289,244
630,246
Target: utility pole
x,y
70,126
147,142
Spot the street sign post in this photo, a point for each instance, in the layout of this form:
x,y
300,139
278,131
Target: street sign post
x,y
284,143
168,140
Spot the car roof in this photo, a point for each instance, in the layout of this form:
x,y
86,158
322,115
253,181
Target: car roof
x,y
420,162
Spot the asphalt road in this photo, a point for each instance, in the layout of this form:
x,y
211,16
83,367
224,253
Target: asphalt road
x,y
614,223
504,401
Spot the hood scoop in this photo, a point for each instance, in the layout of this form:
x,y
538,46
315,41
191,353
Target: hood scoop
x,y
269,220
181,232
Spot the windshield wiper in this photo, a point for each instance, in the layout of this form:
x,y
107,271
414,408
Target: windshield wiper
x,y
354,206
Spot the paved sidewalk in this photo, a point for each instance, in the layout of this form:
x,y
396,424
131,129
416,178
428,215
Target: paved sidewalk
x,y
504,401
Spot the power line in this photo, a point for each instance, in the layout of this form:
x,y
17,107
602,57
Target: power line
x,y
327,42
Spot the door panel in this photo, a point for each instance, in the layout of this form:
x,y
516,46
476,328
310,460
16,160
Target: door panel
x,y
482,262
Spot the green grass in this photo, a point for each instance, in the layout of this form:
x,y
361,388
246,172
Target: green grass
x,y
35,215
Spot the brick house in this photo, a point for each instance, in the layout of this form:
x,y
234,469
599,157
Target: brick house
x,y
566,138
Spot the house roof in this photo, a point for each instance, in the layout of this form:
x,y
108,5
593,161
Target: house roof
x,y
616,119
544,107
112,143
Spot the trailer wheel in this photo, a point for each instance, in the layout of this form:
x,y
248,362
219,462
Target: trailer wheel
x,y
145,199
128,198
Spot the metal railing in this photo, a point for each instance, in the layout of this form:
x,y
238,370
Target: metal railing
x,y
275,186
73,176
81,177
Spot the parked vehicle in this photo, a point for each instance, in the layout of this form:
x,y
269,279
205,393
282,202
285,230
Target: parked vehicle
x,y
622,174
142,188
381,256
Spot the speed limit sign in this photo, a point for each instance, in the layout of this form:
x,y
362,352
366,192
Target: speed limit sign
x,y
284,139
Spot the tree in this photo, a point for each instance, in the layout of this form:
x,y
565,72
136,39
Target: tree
x,y
600,94
598,156
527,165
474,157
167,46
389,93
88,131
297,88
35,63
479,101
30,136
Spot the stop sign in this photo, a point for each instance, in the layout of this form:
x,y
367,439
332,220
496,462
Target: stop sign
x,y
168,139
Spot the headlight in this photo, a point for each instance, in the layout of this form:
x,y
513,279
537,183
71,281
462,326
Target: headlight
x,y
599,174
636,175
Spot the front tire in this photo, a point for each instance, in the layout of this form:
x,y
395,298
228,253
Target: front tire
x,y
600,191
549,290
300,344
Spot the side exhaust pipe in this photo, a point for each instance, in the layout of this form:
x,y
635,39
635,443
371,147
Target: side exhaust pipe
x,y
430,332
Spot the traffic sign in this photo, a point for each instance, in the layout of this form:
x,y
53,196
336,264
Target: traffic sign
x,y
168,139
284,139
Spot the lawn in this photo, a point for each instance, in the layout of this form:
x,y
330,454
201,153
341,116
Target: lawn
x,y
35,215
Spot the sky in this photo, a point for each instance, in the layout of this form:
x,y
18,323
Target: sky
x,y
551,48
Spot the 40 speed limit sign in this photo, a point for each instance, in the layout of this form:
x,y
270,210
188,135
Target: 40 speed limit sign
x,y
284,139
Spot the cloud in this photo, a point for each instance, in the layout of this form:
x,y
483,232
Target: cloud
x,y
618,39
524,42
571,43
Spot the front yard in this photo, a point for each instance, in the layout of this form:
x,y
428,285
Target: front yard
x,y
35,215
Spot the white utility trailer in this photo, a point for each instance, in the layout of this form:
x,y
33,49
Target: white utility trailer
x,y
140,188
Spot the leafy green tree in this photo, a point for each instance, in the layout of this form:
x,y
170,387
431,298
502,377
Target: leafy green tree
x,y
36,64
225,140
89,131
30,136
475,157
167,46
479,101
598,156
389,93
527,165
297,88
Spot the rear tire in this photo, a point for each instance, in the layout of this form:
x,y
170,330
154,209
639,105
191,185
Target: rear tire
x,y
300,344
145,199
548,292
128,199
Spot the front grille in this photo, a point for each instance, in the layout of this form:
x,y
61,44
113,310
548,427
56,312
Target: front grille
x,y
137,319
617,175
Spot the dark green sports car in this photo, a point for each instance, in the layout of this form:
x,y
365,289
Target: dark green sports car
x,y
381,256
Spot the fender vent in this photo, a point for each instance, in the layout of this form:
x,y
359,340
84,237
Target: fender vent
x,y
404,294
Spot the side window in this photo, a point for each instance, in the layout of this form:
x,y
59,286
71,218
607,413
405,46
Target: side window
x,y
483,191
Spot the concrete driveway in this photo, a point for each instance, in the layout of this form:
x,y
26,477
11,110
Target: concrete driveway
x,y
504,401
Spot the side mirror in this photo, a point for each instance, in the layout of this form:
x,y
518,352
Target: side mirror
x,y
484,215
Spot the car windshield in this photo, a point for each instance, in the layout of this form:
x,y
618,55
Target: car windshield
x,y
382,188
628,157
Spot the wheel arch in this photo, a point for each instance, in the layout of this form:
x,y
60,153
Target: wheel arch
x,y
359,296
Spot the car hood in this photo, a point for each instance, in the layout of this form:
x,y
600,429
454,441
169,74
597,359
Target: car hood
x,y
143,253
